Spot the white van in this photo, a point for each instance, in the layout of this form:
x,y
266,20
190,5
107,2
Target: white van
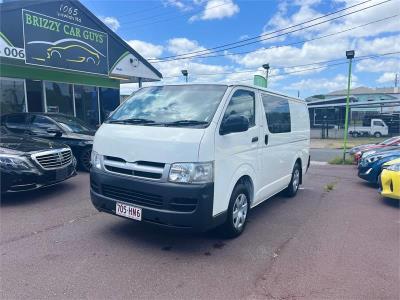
x,y
199,155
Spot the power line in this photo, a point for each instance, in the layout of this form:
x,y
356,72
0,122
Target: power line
x,y
173,18
290,67
279,46
241,44
139,11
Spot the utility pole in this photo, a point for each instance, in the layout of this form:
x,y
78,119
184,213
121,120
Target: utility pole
x,y
395,80
185,73
266,68
350,55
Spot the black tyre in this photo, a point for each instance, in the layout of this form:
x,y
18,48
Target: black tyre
x,y
238,210
355,134
294,184
84,159
377,134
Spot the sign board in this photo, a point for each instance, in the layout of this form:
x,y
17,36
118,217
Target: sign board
x,y
56,43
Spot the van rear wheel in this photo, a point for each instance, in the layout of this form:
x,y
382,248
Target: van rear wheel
x,y
239,206
294,184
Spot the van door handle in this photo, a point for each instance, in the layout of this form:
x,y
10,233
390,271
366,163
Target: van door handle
x,y
254,139
266,139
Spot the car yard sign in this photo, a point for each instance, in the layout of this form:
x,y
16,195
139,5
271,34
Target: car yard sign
x,y
60,44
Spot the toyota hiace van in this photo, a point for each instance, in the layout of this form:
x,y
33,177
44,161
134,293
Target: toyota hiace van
x,y
198,156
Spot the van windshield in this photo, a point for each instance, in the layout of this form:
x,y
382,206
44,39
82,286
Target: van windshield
x,y
175,105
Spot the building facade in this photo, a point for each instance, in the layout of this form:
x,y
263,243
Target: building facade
x,y
329,111
57,56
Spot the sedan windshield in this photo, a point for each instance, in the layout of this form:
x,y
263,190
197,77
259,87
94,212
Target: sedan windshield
x,y
177,106
72,124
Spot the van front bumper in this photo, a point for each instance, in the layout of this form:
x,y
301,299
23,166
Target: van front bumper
x,y
163,203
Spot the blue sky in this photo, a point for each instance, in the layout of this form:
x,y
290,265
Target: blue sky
x,y
174,27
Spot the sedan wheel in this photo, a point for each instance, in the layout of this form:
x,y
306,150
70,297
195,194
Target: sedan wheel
x,y
84,159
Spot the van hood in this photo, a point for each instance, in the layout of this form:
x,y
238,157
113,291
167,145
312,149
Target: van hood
x,y
149,143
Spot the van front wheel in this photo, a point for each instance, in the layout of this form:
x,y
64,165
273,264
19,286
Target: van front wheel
x,y
239,206
294,184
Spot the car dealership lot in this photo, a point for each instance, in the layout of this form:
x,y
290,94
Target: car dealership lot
x,y
324,243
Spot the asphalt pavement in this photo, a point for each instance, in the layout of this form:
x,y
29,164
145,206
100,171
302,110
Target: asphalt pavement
x,y
337,239
325,155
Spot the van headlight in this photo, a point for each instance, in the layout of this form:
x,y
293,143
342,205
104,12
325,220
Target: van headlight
x,y
96,160
192,172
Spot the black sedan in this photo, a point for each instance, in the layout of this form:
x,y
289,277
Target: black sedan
x,y
55,127
28,163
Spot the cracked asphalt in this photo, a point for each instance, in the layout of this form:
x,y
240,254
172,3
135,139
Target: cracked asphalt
x,y
323,244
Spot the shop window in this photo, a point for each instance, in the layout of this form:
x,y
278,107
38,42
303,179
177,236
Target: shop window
x,y
109,101
86,104
59,98
34,95
12,95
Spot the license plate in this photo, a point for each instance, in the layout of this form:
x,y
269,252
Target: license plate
x,y
61,174
128,211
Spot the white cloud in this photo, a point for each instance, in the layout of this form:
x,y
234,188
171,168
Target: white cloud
x,y
374,65
183,45
321,85
147,50
181,5
111,22
216,10
386,77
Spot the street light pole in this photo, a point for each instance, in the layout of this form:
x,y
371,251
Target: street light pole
x,y
350,55
266,68
185,73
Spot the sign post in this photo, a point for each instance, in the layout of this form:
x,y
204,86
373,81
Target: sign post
x,y
350,55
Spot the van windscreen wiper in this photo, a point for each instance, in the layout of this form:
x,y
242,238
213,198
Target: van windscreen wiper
x,y
186,123
131,121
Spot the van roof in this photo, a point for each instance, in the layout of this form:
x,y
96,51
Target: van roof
x,y
234,85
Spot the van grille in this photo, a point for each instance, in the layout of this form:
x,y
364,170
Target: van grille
x,y
132,196
142,169
54,159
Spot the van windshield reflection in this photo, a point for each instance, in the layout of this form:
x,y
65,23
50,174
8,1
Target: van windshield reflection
x,y
172,106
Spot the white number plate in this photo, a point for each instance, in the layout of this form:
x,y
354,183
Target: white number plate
x,y
128,211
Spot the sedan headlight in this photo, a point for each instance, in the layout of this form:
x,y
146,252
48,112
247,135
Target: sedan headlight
x,y
395,167
10,162
96,160
373,159
365,154
192,172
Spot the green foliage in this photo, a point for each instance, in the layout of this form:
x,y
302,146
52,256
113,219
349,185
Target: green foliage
x,y
339,161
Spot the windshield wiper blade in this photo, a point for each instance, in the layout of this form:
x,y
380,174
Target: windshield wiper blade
x,y
186,122
131,121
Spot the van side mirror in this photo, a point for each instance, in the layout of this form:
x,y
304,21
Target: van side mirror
x,y
234,124
56,132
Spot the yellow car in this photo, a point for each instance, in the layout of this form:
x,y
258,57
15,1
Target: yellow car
x,y
390,179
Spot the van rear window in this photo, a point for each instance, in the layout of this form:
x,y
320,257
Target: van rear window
x,y
277,113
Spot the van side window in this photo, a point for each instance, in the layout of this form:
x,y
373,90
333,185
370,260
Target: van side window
x,y
277,113
242,103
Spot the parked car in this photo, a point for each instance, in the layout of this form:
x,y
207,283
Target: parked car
x,y
390,179
370,167
379,150
395,141
28,163
366,147
196,156
55,127
376,127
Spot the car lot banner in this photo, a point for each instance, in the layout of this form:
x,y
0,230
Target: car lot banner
x,y
56,43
